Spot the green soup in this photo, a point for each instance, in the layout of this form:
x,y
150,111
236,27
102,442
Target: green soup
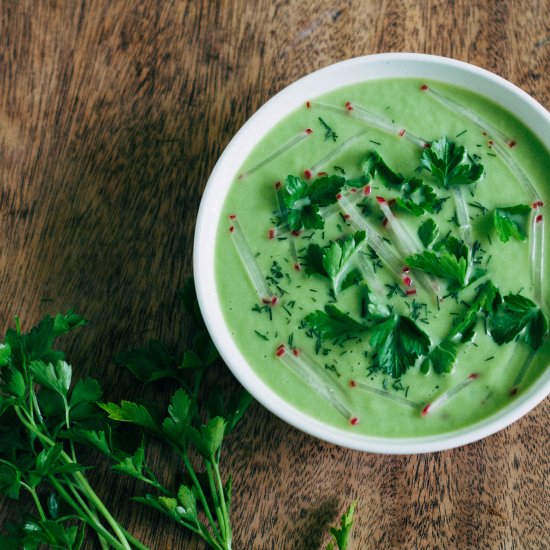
x,y
259,329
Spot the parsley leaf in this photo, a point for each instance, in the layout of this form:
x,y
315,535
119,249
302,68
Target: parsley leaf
x,y
148,364
333,261
428,232
303,201
517,316
509,222
442,358
374,164
398,343
486,300
209,439
341,534
448,260
450,164
333,324
132,413
418,197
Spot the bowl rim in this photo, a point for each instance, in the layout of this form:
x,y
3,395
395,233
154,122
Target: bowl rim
x,y
527,109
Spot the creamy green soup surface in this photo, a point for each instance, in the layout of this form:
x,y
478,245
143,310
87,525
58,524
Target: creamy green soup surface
x,y
334,135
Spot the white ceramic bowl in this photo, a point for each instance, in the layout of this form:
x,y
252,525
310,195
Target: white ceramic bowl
x,y
356,70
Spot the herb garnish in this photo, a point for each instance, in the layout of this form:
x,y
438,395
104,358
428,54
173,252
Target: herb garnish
x,y
333,324
486,300
448,260
396,339
418,198
329,132
517,316
428,232
374,164
334,261
442,358
508,222
450,164
303,201
398,342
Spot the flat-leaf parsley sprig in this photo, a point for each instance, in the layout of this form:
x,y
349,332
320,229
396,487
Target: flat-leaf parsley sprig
x,y
303,201
38,404
452,168
202,503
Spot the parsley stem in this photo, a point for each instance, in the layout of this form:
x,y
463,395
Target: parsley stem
x,y
37,410
100,506
91,514
36,500
91,521
228,534
216,499
78,477
202,498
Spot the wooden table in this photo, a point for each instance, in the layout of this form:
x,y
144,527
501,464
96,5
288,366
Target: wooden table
x,y
112,115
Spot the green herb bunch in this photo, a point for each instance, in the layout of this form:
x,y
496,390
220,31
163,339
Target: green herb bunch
x,y
45,420
40,408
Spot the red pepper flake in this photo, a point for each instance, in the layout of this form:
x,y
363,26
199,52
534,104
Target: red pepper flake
x,y
295,232
352,383
427,145
232,216
380,200
271,234
425,409
266,301
274,300
537,204
277,185
353,190
320,174
308,131
401,133
308,104
491,143
297,267
339,196
307,174
347,216
231,229
406,269
407,280
424,87
511,143
385,222
354,421
281,350
366,190
473,376
538,219
411,292
349,106
295,352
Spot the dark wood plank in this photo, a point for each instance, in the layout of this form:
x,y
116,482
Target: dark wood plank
x,y
112,115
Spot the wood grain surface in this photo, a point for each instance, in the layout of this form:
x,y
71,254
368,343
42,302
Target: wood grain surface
x,y
112,115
